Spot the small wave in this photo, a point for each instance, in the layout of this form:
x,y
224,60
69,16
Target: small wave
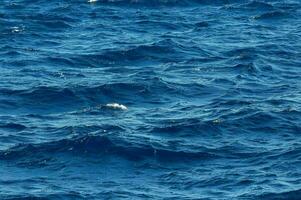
x,y
259,5
43,99
55,24
163,51
166,2
187,127
246,54
104,145
69,196
13,126
201,24
159,25
139,2
292,195
249,68
55,98
272,15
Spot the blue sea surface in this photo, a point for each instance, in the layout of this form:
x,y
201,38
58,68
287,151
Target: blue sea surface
x,y
150,99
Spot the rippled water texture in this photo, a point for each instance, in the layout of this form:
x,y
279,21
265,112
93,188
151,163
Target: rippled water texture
x,y
150,99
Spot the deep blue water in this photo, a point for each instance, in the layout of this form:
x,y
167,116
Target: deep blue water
x,y
150,99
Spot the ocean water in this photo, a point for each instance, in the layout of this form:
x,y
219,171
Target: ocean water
x,y
150,99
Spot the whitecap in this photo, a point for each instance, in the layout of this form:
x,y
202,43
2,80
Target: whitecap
x,y
116,106
16,29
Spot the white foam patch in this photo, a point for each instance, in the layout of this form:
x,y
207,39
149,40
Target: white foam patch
x,y
92,1
116,106
16,29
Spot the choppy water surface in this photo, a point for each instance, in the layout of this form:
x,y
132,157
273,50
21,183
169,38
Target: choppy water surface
x,y
150,99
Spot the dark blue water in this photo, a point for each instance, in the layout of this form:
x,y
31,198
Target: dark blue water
x,y
150,99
